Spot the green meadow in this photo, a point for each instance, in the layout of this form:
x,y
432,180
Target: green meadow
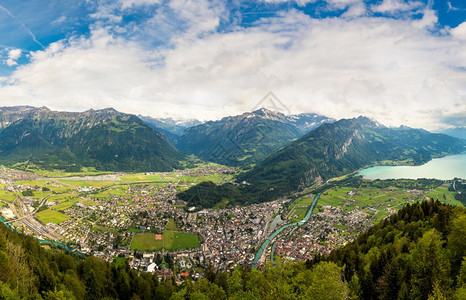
x,y
174,240
171,225
380,198
50,215
299,208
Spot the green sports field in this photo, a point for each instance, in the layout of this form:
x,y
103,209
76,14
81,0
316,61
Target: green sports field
x,y
175,240
171,241
146,242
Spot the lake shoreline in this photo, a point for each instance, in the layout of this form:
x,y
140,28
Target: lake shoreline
x,y
443,168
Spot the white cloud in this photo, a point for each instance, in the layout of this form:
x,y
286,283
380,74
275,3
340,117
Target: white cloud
x,y
459,31
395,6
395,71
133,3
60,20
299,2
13,56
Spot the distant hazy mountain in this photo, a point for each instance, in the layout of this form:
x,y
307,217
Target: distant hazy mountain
x,y
248,138
458,132
104,139
307,122
342,147
170,127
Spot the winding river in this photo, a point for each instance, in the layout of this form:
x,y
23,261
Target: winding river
x,y
276,232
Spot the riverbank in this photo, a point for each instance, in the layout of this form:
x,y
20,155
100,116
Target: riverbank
x,y
264,245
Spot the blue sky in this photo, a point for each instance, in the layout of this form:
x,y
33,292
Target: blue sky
x,y
401,62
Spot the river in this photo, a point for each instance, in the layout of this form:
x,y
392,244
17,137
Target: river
x,y
276,232
46,241
444,168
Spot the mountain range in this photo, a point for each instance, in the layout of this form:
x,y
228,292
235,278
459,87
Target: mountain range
x,y
342,147
457,132
170,127
331,150
248,138
102,139
281,153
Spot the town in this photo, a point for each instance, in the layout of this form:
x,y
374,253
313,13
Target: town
x,y
136,218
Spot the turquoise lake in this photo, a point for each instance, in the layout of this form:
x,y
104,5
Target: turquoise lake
x,y
444,168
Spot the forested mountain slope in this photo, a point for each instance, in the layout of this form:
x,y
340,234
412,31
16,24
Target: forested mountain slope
x,y
103,139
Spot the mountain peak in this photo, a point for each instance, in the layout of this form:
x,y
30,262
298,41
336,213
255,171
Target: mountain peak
x,y
106,110
269,114
369,122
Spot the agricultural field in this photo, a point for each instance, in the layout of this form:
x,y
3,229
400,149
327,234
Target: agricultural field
x,y
86,171
50,215
377,201
156,177
5,195
116,189
444,195
64,205
349,198
299,208
38,195
87,183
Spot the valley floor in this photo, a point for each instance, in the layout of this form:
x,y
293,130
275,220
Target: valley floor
x,y
137,217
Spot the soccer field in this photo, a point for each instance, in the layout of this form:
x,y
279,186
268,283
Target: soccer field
x,y
171,241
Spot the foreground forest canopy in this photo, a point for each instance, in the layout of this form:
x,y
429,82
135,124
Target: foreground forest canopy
x,y
416,254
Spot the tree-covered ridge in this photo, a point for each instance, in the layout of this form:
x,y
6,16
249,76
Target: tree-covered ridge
x,y
415,254
330,151
208,194
103,139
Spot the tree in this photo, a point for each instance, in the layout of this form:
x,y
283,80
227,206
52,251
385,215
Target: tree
x,y
430,265
6,293
327,282
235,282
437,293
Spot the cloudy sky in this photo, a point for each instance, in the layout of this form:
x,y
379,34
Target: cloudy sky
x,y
398,61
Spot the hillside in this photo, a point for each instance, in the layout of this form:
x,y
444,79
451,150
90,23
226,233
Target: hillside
x,y
103,139
345,146
246,139
418,253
